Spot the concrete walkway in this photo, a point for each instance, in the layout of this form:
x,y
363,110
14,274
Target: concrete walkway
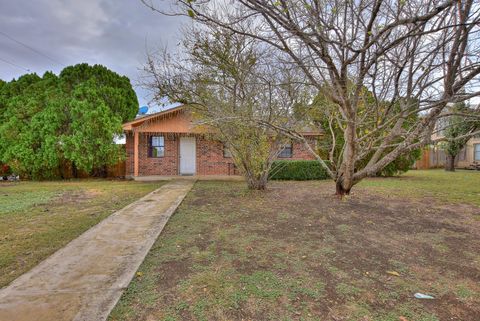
x,y
84,280
152,178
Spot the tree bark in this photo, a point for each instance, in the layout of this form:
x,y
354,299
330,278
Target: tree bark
x,y
345,177
341,190
104,171
450,163
74,170
257,184
343,187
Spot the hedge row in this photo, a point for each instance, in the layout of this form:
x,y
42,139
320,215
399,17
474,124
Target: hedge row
x,y
299,170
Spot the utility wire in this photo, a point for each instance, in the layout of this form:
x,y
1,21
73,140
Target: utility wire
x,y
31,48
15,65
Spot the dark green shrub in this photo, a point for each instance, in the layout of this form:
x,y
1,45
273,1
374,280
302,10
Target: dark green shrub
x,y
401,164
299,170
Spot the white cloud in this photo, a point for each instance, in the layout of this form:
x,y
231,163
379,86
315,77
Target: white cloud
x,y
85,19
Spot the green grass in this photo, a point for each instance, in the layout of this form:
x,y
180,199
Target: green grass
x,y
296,252
461,186
38,218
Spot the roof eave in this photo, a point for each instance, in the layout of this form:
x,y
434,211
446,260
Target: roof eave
x,y
128,126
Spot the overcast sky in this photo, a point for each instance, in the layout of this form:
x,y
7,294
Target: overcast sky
x,y
109,32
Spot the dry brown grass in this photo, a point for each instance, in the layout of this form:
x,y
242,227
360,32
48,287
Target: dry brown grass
x,y
38,218
296,252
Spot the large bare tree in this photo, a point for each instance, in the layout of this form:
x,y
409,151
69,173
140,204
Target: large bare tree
x,y
414,56
232,83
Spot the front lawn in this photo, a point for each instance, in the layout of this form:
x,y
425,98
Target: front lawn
x,y
38,218
296,252
462,186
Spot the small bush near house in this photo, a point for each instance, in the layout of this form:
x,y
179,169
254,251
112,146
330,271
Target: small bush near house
x,y
402,164
298,170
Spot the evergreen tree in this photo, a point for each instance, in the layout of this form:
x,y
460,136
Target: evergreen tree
x,y
50,121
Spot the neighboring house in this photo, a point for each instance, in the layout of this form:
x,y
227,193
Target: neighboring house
x,y
167,143
434,157
469,156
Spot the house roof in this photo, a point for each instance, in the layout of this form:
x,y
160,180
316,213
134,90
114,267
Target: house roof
x,y
145,122
148,118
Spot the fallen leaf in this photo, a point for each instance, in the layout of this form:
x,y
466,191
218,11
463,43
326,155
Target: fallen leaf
x,y
403,319
393,273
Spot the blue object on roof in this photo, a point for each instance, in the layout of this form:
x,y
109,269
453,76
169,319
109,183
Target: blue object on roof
x,y
143,110
156,108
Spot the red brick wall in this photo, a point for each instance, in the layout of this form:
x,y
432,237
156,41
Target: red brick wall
x,y
300,152
210,159
166,165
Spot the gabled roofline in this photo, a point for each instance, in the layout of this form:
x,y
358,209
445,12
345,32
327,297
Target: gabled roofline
x,y
129,126
141,120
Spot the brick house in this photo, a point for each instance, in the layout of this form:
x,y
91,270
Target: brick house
x,y
168,144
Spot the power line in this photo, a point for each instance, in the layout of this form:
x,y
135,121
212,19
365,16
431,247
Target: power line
x,y
31,48
15,65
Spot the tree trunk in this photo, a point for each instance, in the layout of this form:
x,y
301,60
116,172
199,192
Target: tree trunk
x,y
104,171
345,180
74,170
450,163
341,188
257,183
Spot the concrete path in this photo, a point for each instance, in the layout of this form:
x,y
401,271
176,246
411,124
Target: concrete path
x,y
84,280
193,177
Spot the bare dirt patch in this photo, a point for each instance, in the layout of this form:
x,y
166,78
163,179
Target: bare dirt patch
x,y
296,252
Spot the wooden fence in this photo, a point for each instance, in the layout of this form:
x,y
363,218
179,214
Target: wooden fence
x,y
117,170
112,171
432,157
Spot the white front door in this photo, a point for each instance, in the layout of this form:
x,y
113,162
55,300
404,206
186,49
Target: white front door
x,y
187,156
